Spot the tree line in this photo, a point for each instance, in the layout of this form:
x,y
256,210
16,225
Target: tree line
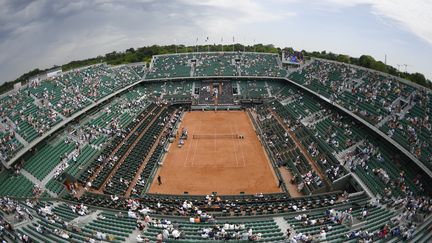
x,y
369,62
144,54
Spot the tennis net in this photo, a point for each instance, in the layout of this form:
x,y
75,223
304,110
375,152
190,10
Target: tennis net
x,y
215,136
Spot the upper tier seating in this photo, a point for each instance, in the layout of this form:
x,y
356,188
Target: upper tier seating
x,y
170,66
32,111
215,64
54,95
398,109
257,64
139,69
48,157
28,119
9,145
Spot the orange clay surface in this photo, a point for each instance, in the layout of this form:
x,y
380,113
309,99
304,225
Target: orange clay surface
x,y
223,165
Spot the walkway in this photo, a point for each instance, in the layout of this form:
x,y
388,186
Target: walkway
x,y
268,89
283,225
401,115
292,188
342,154
35,181
288,100
312,118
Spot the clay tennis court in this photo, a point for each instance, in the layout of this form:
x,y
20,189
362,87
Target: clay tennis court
x,y
217,161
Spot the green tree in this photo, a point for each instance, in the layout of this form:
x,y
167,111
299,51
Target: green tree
x,y
366,61
379,66
343,58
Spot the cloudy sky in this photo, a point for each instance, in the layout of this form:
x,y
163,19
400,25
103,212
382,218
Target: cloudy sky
x,y
41,33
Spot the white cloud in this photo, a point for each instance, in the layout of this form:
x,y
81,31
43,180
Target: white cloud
x,y
39,34
222,16
412,15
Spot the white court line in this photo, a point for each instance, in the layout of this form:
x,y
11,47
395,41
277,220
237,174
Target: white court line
x,y
235,146
244,160
196,145
204,165
190,147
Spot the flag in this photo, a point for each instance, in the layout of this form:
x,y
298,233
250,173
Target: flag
x,y
222,39
196,40
207,39
233,39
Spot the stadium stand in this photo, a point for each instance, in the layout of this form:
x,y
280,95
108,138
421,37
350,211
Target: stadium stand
x,y
292,57
373,155
287,154
10,145
121,179
215,64
166,66
177,92
399,109
26,118
47,158
354,185
139,68
257,64
252,89
54,95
